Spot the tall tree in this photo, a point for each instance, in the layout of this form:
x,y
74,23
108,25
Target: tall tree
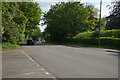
x,y
19,20
12,32
32,12
93,17
66,19
114,17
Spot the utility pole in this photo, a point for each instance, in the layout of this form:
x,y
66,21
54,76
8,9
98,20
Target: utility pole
x,y
100,22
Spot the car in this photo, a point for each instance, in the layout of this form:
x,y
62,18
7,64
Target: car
x,y
30,42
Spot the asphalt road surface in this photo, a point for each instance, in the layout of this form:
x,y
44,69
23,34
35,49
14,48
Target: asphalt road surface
x,y
61,62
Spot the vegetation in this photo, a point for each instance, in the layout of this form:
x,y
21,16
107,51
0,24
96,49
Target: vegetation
x,y
6,46
109,38
74,22
66,19
71,22
20,21
114,17
94,34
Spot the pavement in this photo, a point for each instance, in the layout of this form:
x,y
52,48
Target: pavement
x,y
60,61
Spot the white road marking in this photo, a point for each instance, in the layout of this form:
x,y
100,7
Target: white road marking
x,y
28,73
47,73
30,58
36,65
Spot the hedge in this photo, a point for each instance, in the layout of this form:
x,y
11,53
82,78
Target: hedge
x,y
94,34
111,33
104,41
111,42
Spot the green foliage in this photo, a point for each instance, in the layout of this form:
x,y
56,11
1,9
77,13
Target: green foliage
x,y
109,38
93,11
115,33
19,21
36,34
94,34
11,33
104,42
66,19
114,17
6,46
112,42
84,35
32,12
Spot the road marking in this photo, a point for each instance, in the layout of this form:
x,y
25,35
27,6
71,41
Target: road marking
x,y
26,55
36,65
30,58
47,73
28,73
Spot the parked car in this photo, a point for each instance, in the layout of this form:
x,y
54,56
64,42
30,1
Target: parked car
x,y
30,42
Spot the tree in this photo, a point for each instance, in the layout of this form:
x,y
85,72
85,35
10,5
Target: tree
x,y
113,20
19,21
93,16
93,11
36,33
12,33
66,19
32,12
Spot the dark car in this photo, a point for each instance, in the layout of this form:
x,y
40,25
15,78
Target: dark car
x,y
30,42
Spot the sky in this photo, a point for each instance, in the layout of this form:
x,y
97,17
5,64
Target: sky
x,y
45,6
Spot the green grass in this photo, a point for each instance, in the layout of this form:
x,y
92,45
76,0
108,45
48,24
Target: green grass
x,y
7,46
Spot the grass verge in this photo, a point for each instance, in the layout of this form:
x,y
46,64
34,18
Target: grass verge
x,y
7,46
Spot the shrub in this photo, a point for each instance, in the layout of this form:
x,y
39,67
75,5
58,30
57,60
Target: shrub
x,y
84,35
104,41
115,33
94,34
6,46
111,42
109,38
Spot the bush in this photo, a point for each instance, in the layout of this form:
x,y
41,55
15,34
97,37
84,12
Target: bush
x,y
109,38
84,35
111,42
6,46
115,33
104,41
94,34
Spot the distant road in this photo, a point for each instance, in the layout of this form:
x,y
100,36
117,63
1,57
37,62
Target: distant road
x,y
75,62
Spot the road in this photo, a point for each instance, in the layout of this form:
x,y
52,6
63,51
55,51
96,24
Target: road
x,y
62,61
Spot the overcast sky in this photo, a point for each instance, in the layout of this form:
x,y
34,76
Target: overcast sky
x,y
45,6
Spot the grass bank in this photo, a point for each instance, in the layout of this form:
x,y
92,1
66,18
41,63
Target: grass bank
x,y
7,46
